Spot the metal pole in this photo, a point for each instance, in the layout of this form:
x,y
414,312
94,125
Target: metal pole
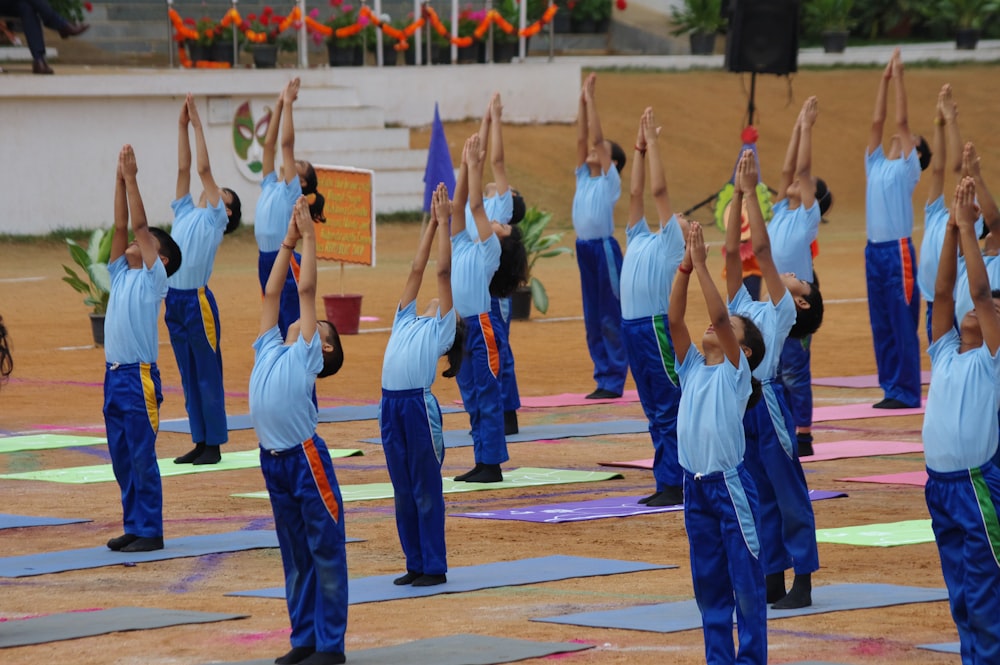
x,y
418,35
454,30
170,35
236,44
522,42
489,40
303,37
552,37
379,57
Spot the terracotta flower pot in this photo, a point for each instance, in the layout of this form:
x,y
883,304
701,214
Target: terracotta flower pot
x,y
344,312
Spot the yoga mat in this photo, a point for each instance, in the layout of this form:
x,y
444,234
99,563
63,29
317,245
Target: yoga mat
x,y
574,399
10,444
484,576
103,473
863,381
945,647
858,411
462,438
523,477
329,414
74,625
579,511
918,478
453,650
892,534
8,521
675,617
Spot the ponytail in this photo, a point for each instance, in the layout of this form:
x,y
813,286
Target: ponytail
x,y
756,392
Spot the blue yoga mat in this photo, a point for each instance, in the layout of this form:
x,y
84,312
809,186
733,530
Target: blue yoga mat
x,y
8,521
944,647
461,438
97,557
483,576
330,414
675,617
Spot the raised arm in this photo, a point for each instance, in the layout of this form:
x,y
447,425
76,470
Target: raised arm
x,y
902,119
788,167
290,94
271,137
582,142
938,150
461,196
803,171
878,118
183,152
734,264
758,230
966,214
594,132
416,276
212,191
657,176
679,333
307,269
137,212
987,204
943,314
953,137
637,182
718,313
119,238
496,149
484,125
276,279
474,159
443,206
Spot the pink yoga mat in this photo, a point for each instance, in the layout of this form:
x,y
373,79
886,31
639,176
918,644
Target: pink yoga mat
x,y
858,411
918,478
573,399
863,381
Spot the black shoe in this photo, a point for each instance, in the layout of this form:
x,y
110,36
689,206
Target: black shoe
x,y
800,595
325,658
471,472
672,495
430,580
39,66
647,499
211,455
889,403
490,473
191,455
144,545
775,584
601,393
805,442
296,655
407,578
73,29
510,423
115,544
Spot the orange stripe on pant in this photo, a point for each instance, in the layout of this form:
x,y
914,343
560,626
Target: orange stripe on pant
x,y
319,477
294,265
486,324
905,259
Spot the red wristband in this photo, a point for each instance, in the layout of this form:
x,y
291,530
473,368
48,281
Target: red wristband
x,y
641,151
680,268
290,248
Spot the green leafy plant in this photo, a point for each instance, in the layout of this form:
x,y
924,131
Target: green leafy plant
x,y
539,246
829,15
95,284
71,10
697,16
962,14
589,10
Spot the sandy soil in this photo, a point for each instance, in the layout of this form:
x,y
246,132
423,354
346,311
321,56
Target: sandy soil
x,y
58,375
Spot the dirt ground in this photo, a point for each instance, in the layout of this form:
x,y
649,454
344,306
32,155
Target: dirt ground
x,y
57,387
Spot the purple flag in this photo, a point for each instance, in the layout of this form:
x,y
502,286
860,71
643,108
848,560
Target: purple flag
x,y
439,166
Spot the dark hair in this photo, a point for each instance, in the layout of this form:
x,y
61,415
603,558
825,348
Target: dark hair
x,y
823,196
310,176
756,392
924,151
808,321
617,155
316,208
753,339
235,211
333,360
318,200
6,359
456,351
518,207
994,293
513,269
168,248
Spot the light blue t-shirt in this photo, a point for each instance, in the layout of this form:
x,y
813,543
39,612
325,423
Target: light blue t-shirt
x,y
472,266
714,398
274,210
198,232
651,259
594,203
889,195
131,324
963,298
774,321
960,423
499,208
415,344
935,223
792,233
281,389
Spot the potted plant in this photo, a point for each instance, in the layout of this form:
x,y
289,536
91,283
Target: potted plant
x,y
208,32
831,19
469,19
95,284
589,15
536,246
347,50
968,17
264,38
505,46
702,20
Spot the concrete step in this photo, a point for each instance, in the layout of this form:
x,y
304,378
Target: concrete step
x,y
338,141
386,203
327,117
399,182
338,96
377,160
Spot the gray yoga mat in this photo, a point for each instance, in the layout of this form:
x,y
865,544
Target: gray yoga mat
x,y
483,576
944,647
461,438
8,521
675,617
330,414
74,625
452,650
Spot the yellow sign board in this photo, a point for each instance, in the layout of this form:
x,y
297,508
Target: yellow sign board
x,y
349,232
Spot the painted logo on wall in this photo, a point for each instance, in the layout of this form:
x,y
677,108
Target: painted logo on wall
x,y
250,123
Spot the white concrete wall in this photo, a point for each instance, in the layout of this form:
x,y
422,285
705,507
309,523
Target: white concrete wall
x,y
60,135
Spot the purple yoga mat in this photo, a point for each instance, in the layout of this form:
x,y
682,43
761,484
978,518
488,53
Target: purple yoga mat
x,y
619,506
858,411
863,381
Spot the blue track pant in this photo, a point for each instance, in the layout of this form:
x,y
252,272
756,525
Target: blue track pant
x,y
795,376
600,263
288,307
479,382
500,314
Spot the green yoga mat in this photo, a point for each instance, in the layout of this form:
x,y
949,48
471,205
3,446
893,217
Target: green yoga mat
x,y
523,477
910,532
103,473
13,444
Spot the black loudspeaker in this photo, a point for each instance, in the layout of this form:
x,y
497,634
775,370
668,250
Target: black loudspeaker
x,y
763,36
